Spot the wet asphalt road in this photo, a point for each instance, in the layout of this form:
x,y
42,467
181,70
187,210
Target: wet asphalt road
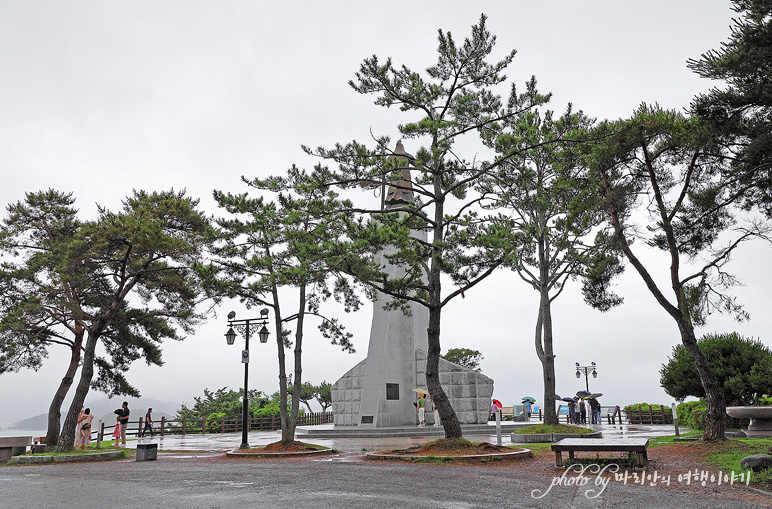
x,y
210,480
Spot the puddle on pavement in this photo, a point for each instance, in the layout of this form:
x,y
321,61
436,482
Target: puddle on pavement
x,y
348,458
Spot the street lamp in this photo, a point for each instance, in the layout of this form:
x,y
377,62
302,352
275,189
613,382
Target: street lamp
x,y
245,328
586,370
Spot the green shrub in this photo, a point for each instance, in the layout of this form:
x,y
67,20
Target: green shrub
x,y
692,414
685,413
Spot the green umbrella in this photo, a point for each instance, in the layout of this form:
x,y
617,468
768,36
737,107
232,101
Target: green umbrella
x,y
529,398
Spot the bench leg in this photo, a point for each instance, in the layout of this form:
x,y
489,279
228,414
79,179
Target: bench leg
x,y
558,459
641,457
570,455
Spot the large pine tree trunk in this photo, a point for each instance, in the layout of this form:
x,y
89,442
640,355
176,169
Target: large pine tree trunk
x,y
55,410
447,414
282,370
714,416
288,435
547,358
67,436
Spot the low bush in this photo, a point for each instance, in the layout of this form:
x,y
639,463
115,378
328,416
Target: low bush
x,y
692,414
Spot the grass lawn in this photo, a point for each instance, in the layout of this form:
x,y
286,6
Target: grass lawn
x,y
554,428
726,454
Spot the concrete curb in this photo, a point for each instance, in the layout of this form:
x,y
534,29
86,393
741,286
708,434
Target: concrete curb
x,y
64,458
237,454
536,438
500,456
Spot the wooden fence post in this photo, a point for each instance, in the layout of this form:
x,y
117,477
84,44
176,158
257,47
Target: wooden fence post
x,y
163,421
203,425
183,424
651,416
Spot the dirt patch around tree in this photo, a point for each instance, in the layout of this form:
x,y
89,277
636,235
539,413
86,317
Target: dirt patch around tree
x,y
450,449
277,449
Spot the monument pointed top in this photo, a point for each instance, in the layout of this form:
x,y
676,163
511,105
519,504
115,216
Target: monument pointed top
x,y
400,190
400,151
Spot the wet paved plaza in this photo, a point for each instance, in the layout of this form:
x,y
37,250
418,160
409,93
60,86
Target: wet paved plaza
x,y
219,442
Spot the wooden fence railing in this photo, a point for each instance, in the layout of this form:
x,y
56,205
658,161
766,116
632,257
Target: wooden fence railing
x,y
657,414
203,426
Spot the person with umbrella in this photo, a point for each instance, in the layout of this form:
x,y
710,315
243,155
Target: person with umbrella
x,y
527,403
595,408
495,407
421,410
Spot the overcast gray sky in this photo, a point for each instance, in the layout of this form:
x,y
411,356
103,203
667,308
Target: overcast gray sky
x,y
99,98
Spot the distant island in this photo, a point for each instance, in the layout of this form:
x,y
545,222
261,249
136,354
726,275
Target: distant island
x,y
103,410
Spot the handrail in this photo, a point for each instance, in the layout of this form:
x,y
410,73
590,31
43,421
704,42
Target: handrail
x,y
203,426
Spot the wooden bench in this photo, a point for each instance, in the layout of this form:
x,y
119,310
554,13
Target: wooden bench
x,y
637,445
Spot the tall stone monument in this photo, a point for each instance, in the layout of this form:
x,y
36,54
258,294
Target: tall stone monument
x,y
379,391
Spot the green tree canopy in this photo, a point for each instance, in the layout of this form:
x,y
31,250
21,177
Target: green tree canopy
x,y
138,267
742,110
464,357
324,395
742,366
432,225
224,402
273,250
688,212
542,188
51,299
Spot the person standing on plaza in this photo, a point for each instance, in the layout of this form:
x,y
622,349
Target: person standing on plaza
x,y
123,418
117,431
83,437
527,405
572,411
148,423
436,414
421,410
595,409
582,412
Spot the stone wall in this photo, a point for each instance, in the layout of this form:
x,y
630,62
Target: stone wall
x,y
469,393
346,396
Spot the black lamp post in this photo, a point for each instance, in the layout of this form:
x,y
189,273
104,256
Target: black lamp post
x,y
586,370
245,328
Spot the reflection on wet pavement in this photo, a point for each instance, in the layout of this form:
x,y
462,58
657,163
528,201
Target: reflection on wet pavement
x,y
220,442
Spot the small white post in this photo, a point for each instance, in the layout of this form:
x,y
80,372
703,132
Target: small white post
x,y
675,418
